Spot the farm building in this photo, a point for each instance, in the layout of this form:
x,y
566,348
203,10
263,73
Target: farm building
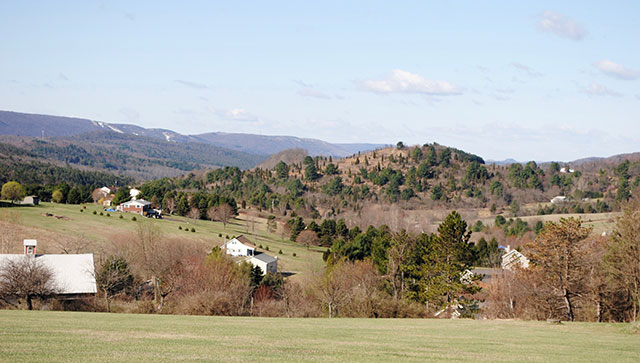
x,y
32,199
73,274
268,264
559,199
239,246
139,206
513,258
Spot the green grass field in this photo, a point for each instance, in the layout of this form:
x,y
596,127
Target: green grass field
x,y
49,231
72,336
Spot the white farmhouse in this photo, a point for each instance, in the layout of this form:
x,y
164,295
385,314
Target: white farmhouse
x,y
239,246
513,258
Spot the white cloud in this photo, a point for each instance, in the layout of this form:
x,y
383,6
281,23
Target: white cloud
x,y
561,25
526,69
238,114
616,70
597,89
406,82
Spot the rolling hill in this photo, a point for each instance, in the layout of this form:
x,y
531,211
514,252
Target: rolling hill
x,y
24,124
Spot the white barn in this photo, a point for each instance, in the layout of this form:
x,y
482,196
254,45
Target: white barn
x,y
73,274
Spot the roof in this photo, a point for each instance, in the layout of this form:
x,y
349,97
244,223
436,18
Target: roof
x,y
73,273
245,240
233,240
141,202
264,257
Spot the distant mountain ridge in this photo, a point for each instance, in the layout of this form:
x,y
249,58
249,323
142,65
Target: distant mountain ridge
x,y
34,125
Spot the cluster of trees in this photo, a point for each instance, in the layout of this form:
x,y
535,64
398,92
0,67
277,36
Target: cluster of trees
x,y
59,193
574,275
38,173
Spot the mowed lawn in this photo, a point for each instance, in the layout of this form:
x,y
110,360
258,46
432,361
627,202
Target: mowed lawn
x,y
74,336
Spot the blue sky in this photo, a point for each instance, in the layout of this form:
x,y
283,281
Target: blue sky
x,y
541,80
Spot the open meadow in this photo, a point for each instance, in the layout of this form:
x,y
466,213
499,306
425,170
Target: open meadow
x,y
66,225
74,336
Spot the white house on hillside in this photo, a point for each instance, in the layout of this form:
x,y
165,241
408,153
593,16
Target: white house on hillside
x,y
239,246
513,258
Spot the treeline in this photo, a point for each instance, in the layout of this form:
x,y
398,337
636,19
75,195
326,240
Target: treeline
x,y
428,176
171,197
573,275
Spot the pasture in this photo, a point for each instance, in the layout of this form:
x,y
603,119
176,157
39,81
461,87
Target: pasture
x,y
74,336
73,225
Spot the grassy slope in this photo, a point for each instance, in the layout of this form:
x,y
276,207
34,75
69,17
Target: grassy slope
x,y
66,336
48,231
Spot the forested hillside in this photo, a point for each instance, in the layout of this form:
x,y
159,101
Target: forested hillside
x,y
143,158
366,188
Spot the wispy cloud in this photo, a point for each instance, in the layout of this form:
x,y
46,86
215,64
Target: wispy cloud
x,y
63,76
406,82
561,25
526,69
616,70
597,89
312,92
238,114
193,85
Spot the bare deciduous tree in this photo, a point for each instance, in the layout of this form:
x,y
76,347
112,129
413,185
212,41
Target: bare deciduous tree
x,y
170,204
623,256
194,214
307,238
224,212
26,278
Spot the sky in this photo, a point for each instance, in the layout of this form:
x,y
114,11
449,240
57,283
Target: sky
x,y
529,80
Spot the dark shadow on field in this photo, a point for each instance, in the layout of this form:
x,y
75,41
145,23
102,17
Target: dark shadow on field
x,y
5,204
287,274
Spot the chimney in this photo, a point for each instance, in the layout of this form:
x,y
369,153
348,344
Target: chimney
x,y
30,247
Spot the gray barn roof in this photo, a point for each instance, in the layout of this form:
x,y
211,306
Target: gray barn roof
x,y
72,273
265,258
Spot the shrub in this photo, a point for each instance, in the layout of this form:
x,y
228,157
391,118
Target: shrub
x,y
220,235
121,216
94,212
179,227
101,213
193,229
134,218
260,246
280,252
227,236
267,248
81,210
108,214
294,254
